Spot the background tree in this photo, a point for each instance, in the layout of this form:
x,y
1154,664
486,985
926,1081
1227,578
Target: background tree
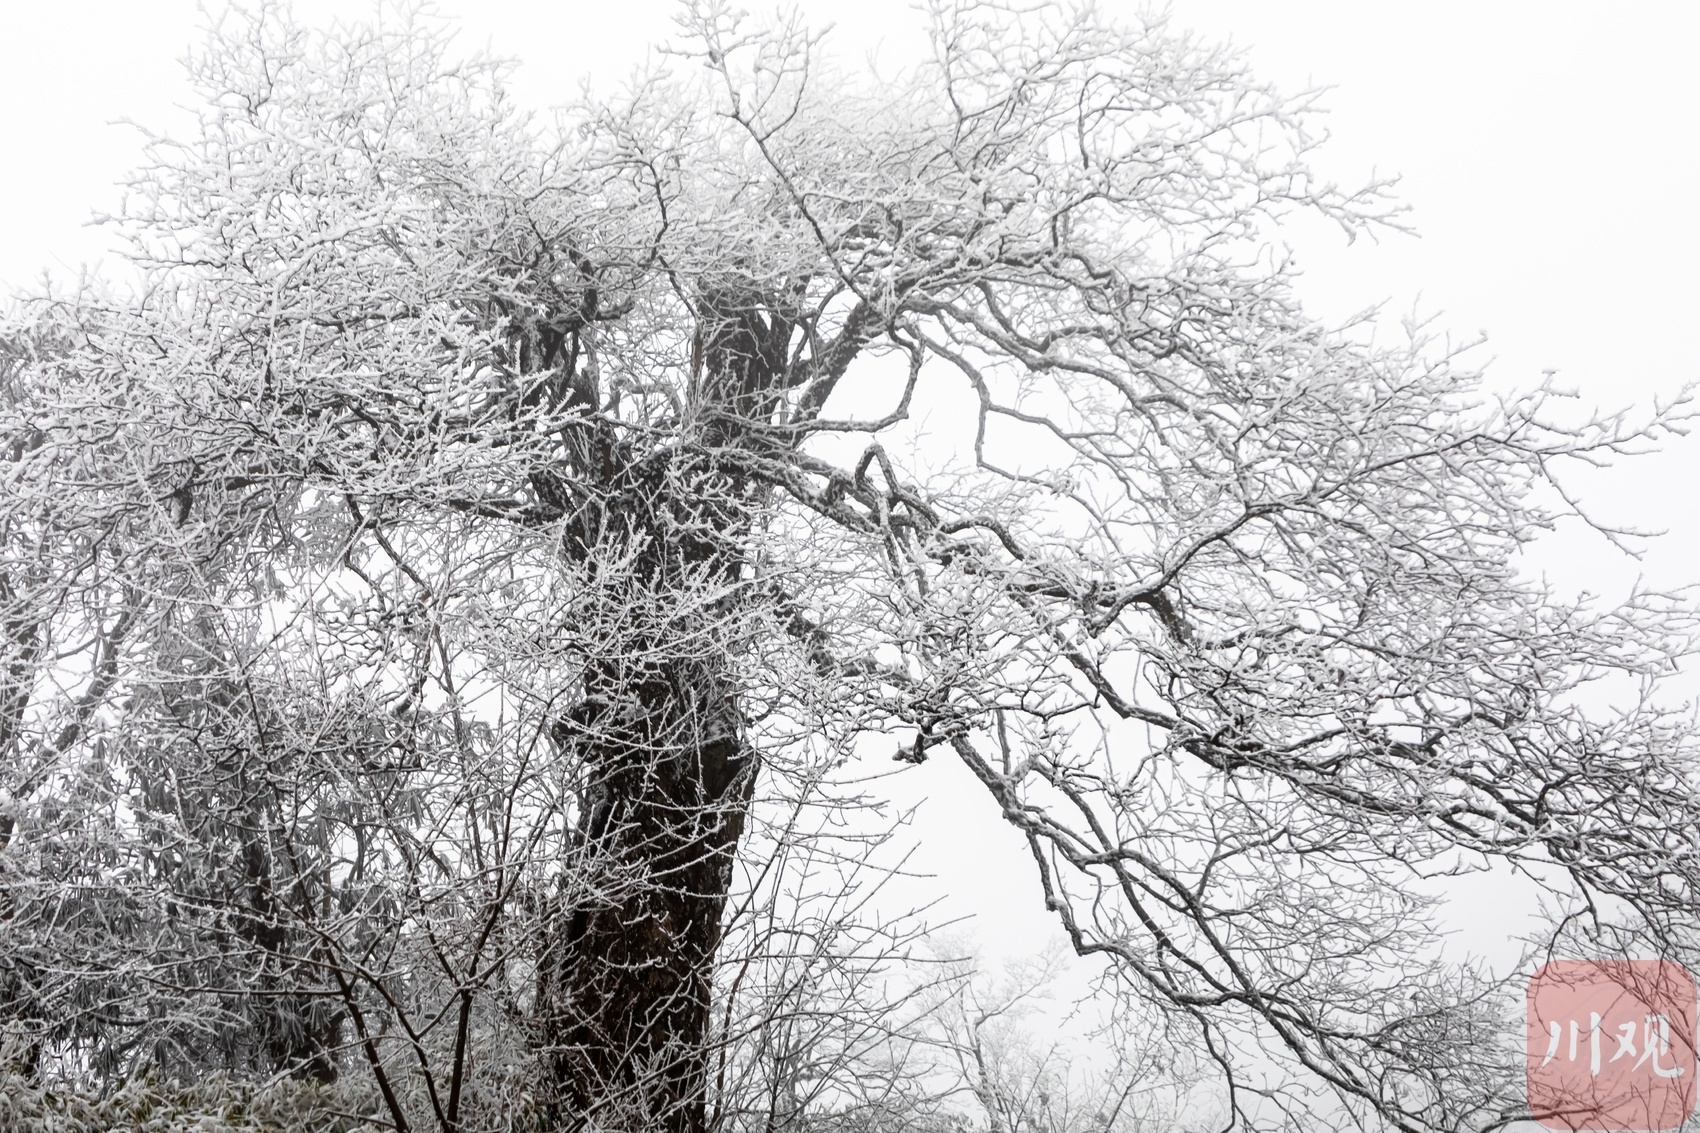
x,y
418,585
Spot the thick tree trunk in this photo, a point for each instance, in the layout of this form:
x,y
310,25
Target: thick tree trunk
x,y
625,982
625,979
627,973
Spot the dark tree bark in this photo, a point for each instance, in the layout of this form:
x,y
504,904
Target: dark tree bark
x,y
628,973
625,983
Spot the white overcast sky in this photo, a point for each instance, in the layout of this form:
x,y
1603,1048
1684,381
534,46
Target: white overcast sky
x,y
1548,148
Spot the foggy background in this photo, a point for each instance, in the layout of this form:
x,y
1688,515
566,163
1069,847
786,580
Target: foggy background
x,y
1548,152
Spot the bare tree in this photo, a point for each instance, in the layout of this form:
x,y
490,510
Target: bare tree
x,y
1096,1073
414,589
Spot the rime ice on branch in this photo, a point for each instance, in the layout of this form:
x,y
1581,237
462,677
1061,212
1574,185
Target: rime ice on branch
x,y
416,592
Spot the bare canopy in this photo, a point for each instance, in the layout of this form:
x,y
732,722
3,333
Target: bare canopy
x,y
415,592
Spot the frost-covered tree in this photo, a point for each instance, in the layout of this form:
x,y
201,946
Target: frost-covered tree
x,y
471,535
